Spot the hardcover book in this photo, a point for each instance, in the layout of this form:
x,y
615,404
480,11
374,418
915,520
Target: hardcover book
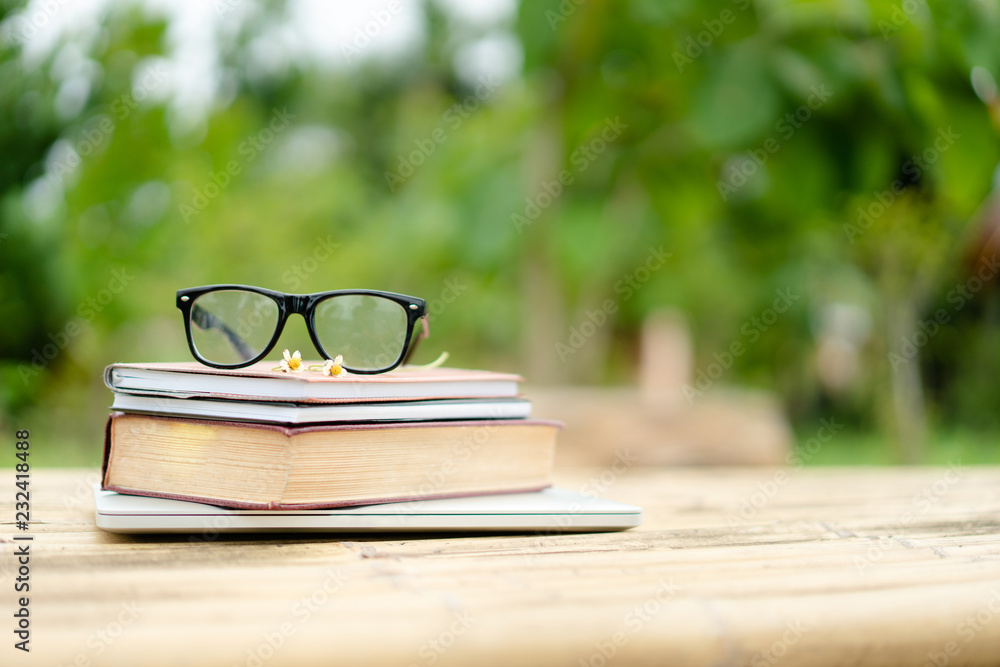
x,y
269,466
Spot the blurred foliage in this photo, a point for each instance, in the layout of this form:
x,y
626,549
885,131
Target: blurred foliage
x,y
748,139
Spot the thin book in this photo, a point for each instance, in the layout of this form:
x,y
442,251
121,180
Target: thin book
x,y
260,382
315,413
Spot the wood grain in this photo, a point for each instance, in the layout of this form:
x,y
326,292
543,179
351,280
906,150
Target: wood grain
x,y
731,567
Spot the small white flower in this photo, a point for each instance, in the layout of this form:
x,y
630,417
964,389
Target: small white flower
x,y
292,363
333,367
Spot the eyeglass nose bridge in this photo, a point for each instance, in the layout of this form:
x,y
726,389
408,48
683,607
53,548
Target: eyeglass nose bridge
x,y
298,303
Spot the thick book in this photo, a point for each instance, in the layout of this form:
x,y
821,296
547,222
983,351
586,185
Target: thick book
x,y
268,466
260,382
316,413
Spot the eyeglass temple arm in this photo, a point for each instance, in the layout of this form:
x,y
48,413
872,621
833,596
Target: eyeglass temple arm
x,y
424,334
206,320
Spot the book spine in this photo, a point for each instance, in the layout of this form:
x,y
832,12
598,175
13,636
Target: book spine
x,y
108,379
107,449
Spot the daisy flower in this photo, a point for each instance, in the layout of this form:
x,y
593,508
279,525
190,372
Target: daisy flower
x,y
334,367
292,363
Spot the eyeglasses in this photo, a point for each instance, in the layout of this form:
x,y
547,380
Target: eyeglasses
x,y
232,326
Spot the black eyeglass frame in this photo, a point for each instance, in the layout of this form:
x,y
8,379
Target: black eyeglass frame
x,y
305,305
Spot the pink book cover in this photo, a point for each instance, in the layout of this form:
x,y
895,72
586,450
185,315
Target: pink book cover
x,y
288,431
344,388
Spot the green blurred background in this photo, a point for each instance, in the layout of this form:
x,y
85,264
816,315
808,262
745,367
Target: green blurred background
x,y
516,164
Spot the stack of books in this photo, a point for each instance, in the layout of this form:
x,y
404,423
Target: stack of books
x,y
254,438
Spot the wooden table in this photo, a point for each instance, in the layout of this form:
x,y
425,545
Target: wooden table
x,y
732,566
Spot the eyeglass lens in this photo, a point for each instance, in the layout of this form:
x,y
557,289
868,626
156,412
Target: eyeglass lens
x,y
369,331
232,326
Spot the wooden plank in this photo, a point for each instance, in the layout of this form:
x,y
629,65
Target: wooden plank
x,y
732,566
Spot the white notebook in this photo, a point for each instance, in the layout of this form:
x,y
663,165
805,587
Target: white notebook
x,y
552,510
315,413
